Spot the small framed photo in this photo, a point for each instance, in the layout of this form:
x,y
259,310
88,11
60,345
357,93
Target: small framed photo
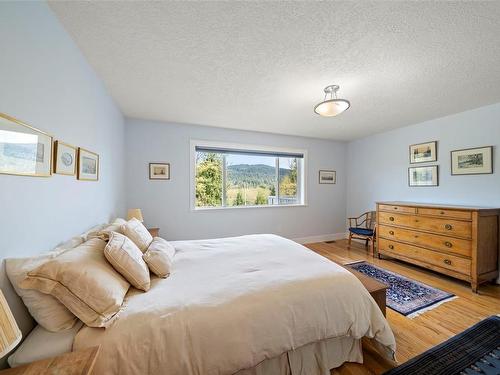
x,y
65,158
327,177
423,152
472,161
159,171
88,165
423,176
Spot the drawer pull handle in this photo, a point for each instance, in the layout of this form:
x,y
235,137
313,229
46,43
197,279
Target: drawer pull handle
x,y
391,218
447,261
442,212
391,247
448,244
391,232
395,208
448,227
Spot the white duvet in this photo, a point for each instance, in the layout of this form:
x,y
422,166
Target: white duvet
x,y
231,303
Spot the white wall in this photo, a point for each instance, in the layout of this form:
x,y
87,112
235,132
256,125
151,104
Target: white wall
x,y
46,82
166,204
378,165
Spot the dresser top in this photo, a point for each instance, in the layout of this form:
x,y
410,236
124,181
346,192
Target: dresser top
x,y
436,205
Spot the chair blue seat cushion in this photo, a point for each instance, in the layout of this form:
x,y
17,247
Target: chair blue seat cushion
x,y
361,231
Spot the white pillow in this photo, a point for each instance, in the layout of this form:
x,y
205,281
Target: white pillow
x,y
83,281
42,344
138,233
45,309
159,257
126,258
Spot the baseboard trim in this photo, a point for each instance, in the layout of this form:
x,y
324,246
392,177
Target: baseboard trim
x,y
321,238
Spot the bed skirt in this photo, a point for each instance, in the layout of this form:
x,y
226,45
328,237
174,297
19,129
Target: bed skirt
x,y
316,358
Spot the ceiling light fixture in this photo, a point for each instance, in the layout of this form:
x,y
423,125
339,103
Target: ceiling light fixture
x,y
331,105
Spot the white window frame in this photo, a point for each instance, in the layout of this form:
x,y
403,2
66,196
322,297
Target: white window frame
x,y
215,144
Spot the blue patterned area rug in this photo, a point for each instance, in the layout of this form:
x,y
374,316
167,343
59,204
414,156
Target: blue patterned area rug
x,y
476,351
406,296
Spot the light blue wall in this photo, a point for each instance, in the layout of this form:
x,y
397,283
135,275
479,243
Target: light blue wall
x,y
46,82
167,203
378,165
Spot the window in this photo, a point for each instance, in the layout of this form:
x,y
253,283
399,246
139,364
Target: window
x,y
234,175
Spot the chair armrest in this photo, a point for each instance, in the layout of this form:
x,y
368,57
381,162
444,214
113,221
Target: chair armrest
x,y
360,220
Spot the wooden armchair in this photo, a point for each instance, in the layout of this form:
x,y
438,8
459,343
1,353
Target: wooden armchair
x,y
363,228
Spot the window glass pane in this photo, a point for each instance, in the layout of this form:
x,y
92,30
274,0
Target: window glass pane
x,y
209,177
250,179
246,178
288,181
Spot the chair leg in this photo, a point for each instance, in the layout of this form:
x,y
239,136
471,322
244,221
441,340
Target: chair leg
x,y
366,242
372,247
350,240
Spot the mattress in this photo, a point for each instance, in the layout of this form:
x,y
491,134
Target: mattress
x,y
233,303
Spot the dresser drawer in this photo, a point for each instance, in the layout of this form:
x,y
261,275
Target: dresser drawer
x,y
391,208
466,215
451,262
435,241
443,226
394,219
438,225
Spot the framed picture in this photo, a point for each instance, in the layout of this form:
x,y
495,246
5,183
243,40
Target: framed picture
x,y
24,150
159,171
88,165
327,177
423,176
472,161
64,159
423,152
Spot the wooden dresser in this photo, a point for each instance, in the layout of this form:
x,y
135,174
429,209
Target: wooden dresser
x,y
459,241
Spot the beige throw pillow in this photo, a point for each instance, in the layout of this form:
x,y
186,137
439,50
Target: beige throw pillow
x,y
92,232
126,258
83,281
159,257
45,309
104,233
138,233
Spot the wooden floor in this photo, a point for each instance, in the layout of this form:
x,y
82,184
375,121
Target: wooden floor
x,y
414,336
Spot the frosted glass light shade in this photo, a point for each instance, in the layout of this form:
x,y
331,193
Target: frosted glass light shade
x,y
135,212
332,107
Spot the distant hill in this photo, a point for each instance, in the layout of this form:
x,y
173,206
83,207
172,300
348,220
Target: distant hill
x,y
253,175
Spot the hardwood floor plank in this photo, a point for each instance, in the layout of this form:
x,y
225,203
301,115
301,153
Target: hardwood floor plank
x,y
414,336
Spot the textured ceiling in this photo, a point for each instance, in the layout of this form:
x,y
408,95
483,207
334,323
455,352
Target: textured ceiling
x,y
263,65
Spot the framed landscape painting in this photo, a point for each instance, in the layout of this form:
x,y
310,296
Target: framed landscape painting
x,y
472,161
423,176
423,152
65,158
159,171
88,165
24,150
327,177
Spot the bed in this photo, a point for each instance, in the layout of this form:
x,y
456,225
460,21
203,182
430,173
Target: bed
x,y
250,305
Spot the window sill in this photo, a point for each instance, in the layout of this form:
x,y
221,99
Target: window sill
x,y
200,209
